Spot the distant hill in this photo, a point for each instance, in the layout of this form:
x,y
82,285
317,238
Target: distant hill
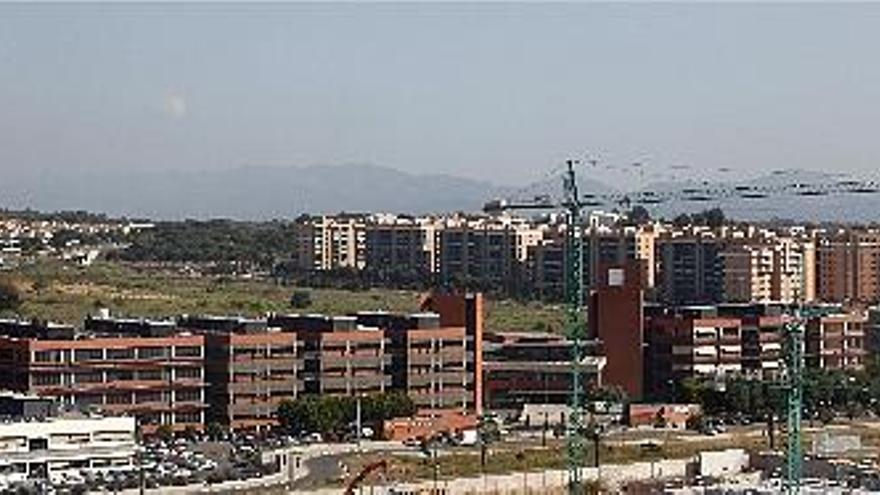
x,y
260,193
246,193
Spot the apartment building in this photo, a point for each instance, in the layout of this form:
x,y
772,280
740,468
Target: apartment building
x,y
602,246
748,269
250,369
690,342
836,341
339,355
160,380
690,269
485,252
794,271
459,343
401,248
848,267
330,242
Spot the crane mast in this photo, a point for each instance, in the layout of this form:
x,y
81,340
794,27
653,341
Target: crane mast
x,y
575,328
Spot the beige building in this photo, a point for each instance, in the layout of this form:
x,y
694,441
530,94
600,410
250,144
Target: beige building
x,y
769,269
330,242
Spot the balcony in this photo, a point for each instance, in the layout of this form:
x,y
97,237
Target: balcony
x,y
259,409
355,383
287,364
448,377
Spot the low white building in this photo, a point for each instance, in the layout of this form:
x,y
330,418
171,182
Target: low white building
x,y
60,447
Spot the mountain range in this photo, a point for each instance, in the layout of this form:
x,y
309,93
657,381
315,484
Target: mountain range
x,y
260,193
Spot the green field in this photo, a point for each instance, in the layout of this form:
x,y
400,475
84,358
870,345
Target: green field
x,y
58,292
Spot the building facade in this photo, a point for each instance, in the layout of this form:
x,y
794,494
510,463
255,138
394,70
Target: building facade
x,y
160,380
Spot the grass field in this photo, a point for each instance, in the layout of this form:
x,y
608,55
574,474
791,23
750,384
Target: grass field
x,y
64,293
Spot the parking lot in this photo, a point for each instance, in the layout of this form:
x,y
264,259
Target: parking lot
x,y
165,463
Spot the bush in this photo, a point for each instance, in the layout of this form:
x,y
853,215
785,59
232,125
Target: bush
x,y
301,299
10,296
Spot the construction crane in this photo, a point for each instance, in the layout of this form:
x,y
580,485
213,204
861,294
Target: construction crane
x,y
574,202
575,323
794,389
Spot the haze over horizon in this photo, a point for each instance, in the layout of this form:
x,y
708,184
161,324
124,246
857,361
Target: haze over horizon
x,y
490,92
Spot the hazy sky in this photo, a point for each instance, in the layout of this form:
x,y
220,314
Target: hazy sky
x,y
498,92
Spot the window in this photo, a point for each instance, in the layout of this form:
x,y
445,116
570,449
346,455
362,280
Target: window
x,y
150,375
119,398
119,375
151,352
89,377
192,395
88,355
87,400
188,417
48,356
119,354
47,379
187,373
148,396
188,351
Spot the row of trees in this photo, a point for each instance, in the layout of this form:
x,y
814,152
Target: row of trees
x,y
333,415
261,244
826,393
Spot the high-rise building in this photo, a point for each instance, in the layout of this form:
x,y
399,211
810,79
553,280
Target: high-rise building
x,y
485,252
401,249
330,242
748,269
848,267
690,269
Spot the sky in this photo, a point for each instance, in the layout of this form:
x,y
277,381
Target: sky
x,y
500,92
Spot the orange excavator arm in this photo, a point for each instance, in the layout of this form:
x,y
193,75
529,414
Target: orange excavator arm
x,y
369,468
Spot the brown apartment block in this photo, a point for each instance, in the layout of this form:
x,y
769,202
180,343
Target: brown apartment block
x,y
836,341
465,313
340,356
848,267
237,371
158,379
762,345
695,343
250,375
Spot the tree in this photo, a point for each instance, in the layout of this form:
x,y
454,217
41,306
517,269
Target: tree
x,y
639,215
164,432
333,415
682,220
215,430
10,296
300,299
